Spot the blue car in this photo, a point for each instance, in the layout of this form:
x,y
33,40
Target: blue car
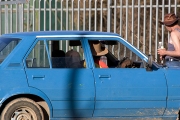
x,y
52,75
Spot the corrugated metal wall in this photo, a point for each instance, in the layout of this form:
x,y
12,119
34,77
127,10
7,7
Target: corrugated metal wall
x,y
134,20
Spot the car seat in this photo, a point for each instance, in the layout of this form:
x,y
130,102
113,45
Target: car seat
x,y
58,59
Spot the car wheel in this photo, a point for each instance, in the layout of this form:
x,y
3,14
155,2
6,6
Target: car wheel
x,y
22,109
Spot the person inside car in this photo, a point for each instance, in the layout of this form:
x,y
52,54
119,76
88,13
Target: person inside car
x,y
73,59
99,51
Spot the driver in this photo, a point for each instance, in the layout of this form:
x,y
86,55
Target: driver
x,y
99,52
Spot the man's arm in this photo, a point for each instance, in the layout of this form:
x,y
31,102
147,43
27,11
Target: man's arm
x,y
175,41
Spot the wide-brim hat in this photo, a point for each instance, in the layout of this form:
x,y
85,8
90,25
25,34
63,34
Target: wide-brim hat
x,y
169,19
97,49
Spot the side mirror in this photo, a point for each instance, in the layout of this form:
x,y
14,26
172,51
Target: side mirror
x,y
149,64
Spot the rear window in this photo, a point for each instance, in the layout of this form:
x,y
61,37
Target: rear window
x,y
6,46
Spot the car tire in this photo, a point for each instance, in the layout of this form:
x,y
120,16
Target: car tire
x,y
22,108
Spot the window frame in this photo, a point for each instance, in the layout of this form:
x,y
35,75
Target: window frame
x,y
17,39
45,40
29,51
126,44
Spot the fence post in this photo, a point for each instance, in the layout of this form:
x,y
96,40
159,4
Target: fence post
x,y
21,17
109,15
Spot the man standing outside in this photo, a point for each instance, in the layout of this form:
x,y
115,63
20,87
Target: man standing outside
x,y
172,54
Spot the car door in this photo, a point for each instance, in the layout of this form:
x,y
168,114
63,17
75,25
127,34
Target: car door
x,y
129,91
173,83
70,90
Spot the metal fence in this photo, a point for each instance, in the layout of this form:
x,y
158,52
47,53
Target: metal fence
x,y
134,20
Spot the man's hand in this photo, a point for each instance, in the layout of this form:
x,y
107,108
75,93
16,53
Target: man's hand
x,y
162,52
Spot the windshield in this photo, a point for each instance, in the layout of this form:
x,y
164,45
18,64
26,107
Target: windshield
x,y
6,46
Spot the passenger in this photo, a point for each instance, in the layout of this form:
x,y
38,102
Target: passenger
x,y
73,59
99,52
172,54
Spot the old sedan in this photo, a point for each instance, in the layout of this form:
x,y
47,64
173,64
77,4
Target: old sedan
x,y
54,75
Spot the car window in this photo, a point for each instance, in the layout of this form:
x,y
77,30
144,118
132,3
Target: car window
x,y
62,53
66,53
38,57
114,55
6,46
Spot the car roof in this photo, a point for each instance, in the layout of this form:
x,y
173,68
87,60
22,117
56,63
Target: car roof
x,y
49,33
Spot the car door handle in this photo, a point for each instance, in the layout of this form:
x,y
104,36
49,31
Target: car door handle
x,y
104,76
38,77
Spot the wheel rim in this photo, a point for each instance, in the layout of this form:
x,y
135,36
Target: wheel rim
x,y
24,113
